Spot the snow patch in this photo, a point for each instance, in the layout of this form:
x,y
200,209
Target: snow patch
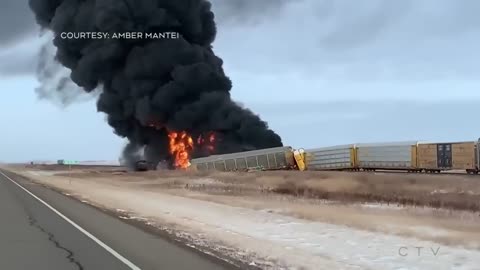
x,y
382,206
205,181
435,232
306,243
46,173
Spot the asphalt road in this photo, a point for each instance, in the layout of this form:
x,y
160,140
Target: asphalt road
x,y
44,230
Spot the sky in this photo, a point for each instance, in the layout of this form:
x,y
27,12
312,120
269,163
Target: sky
x,y
320,72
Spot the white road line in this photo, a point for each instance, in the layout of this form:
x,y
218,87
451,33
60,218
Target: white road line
x,y
96,240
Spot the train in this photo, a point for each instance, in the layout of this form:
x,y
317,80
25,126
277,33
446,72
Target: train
x,y
412,156
278,158
409,156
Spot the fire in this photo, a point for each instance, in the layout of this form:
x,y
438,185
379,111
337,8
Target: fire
x,y
181,145
208,142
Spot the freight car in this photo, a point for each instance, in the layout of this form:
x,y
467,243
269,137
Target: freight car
x,y
365,157
410,156
278,158
340,157
436,157
477,158
387,156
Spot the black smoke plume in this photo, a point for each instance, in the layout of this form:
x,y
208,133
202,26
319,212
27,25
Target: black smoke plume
x,y
152,86
55,83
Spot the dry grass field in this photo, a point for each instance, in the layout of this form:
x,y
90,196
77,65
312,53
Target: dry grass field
x,y
445,191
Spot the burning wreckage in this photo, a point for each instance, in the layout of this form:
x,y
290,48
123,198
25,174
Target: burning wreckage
x,y
180,147
169,96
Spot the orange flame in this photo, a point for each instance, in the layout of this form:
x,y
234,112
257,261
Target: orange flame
x,y
181,144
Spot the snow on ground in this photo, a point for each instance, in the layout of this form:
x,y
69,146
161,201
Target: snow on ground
x,y
289,242
292,241
382,206
343,245
46,173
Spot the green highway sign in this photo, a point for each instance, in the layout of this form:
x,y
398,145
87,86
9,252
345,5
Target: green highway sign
x,y
70,162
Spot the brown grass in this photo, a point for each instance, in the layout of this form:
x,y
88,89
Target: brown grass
x,y
454,192
441,191
436,191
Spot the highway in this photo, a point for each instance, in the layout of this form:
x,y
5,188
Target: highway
x,y
44,230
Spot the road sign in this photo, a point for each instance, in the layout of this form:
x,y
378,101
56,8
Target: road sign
x,y
70,162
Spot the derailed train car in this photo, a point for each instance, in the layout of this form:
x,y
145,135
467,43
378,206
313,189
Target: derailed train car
x,y
411,156
278,158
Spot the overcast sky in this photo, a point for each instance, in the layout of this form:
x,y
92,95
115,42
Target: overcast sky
x,y
321,72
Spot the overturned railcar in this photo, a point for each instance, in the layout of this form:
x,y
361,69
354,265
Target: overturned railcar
x,y
278,158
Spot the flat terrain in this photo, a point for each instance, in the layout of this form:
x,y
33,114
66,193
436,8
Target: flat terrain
x,y
33,236
294,219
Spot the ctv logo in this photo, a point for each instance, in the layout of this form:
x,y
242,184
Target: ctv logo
x,y
418,251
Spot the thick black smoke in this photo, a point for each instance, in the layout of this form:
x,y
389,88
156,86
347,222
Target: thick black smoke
x,y
151,85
